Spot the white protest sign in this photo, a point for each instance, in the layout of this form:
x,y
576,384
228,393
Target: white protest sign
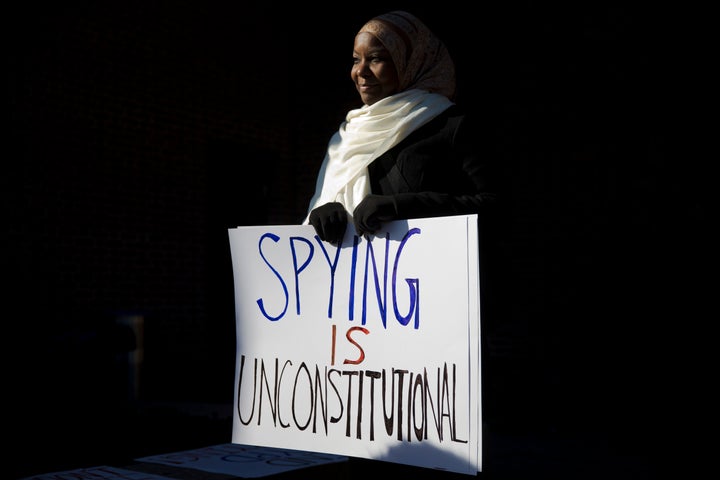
x,y
370,349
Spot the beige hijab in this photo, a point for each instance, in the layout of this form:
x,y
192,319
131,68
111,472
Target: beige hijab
x,y
427,85
420,57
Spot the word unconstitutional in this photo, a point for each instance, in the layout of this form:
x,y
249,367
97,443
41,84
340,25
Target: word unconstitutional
x,y
412,406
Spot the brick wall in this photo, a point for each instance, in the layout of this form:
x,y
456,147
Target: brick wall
x,y
141,131
139,140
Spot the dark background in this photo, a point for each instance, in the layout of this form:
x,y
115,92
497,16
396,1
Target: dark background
x,y
141,130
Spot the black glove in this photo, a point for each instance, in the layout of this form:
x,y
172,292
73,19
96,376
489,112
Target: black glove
x,y
372,211
330,222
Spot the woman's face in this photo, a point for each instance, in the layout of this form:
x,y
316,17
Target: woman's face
x,y
373,71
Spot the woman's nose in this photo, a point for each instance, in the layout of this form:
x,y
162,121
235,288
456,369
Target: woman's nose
x,y
363,69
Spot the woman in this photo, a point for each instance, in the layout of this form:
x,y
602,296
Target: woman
x,y
409,151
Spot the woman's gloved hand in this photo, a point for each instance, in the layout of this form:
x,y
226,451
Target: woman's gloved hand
x,y
372,211
330,222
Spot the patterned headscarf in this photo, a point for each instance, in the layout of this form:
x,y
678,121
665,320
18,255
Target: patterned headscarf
x,y
421,59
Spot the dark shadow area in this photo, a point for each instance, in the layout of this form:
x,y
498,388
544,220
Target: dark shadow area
x,y
141,131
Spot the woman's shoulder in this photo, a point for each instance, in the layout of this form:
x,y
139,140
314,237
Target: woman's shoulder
x,y
451,119
460,118
455,110
443,128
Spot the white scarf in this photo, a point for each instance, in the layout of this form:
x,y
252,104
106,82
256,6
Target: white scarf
x,y
367,133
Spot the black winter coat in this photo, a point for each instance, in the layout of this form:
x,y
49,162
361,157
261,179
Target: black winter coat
x,y
442,169
438,170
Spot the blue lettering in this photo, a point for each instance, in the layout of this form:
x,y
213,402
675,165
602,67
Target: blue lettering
x,y
275,239
372,272
413,283
370,254
333,266
302,267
